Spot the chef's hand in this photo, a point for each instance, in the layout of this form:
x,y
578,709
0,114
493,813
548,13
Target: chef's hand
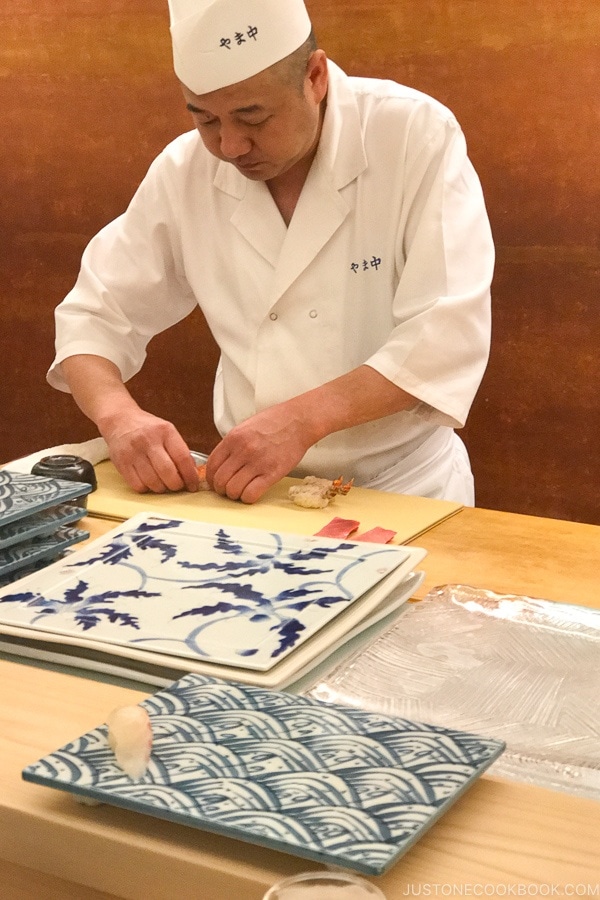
x,y
150,453
257,453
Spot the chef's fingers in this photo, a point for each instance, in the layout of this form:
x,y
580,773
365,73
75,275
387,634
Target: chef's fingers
x,y
129,473
178,468
256,488
155,471
247,483
229,479
215,461
146,475
159,473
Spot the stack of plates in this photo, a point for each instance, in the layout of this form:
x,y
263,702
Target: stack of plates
x,y
160,596
37,521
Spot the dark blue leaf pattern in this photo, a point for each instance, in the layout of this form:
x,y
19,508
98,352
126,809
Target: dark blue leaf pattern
x,y
320,552
75,595
289,634
227,544
221,606
114,553
158,526
168,551
21,597
242,591
233,569
114,595
293,569
90,618
264,592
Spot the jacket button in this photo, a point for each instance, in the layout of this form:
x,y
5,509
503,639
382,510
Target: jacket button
x,y
313,314
273,317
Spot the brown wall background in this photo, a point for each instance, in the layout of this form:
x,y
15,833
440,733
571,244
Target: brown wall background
x,y
88,98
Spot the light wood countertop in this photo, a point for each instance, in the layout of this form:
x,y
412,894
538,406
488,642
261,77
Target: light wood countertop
x,y
510,553
499,834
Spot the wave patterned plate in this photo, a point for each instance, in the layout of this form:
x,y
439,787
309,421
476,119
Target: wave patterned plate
x,y
330,783
49,546
22,495
39,524
233,596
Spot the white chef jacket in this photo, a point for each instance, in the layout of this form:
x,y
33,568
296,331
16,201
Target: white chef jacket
x,y
387,261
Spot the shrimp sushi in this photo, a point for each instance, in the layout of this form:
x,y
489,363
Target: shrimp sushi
x,y
203,484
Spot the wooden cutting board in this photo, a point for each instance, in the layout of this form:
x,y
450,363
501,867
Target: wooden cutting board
x,y
407,516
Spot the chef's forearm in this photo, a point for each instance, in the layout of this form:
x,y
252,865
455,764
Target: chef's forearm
x,y
360,396
98,390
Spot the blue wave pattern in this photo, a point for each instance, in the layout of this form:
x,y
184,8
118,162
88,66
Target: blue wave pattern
x,y
326,782
44,547
39,524
22,495
239,596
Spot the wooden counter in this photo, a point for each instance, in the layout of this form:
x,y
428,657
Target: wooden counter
x,y
514,554
500,835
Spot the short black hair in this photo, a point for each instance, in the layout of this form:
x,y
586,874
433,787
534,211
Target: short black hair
x,y
292,68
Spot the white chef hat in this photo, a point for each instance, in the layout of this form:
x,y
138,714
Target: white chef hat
x,y
221,42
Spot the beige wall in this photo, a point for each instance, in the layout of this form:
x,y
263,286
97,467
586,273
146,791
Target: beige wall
x,y
88,98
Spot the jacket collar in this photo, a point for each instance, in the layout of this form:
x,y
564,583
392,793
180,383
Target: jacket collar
x,y
321,208
341,150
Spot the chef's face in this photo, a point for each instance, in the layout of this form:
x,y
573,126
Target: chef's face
x,y
268,124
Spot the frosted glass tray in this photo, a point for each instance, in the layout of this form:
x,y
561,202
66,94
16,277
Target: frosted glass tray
x,y
341,786
523,670
186,594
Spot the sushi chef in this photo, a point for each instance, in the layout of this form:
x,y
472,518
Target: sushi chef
x,y
333,231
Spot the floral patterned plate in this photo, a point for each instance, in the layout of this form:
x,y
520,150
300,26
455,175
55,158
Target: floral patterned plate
x,y
240,597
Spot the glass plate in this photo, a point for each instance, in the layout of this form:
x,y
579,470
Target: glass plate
x,y
523,670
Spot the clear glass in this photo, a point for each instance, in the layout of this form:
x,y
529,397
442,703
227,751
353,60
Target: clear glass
x,y
518,669
324,886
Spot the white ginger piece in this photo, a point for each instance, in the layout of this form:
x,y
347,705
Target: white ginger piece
x,y
130,739
315,493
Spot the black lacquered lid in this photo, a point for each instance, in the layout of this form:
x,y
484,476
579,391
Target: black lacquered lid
x,y
70,468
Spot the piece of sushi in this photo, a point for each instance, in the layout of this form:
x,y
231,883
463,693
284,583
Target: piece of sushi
x,y
130,739
316,493
203,484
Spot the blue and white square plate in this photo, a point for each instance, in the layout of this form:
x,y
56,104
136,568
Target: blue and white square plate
x,y
46,547
22,495
39,524
325,782
239,597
